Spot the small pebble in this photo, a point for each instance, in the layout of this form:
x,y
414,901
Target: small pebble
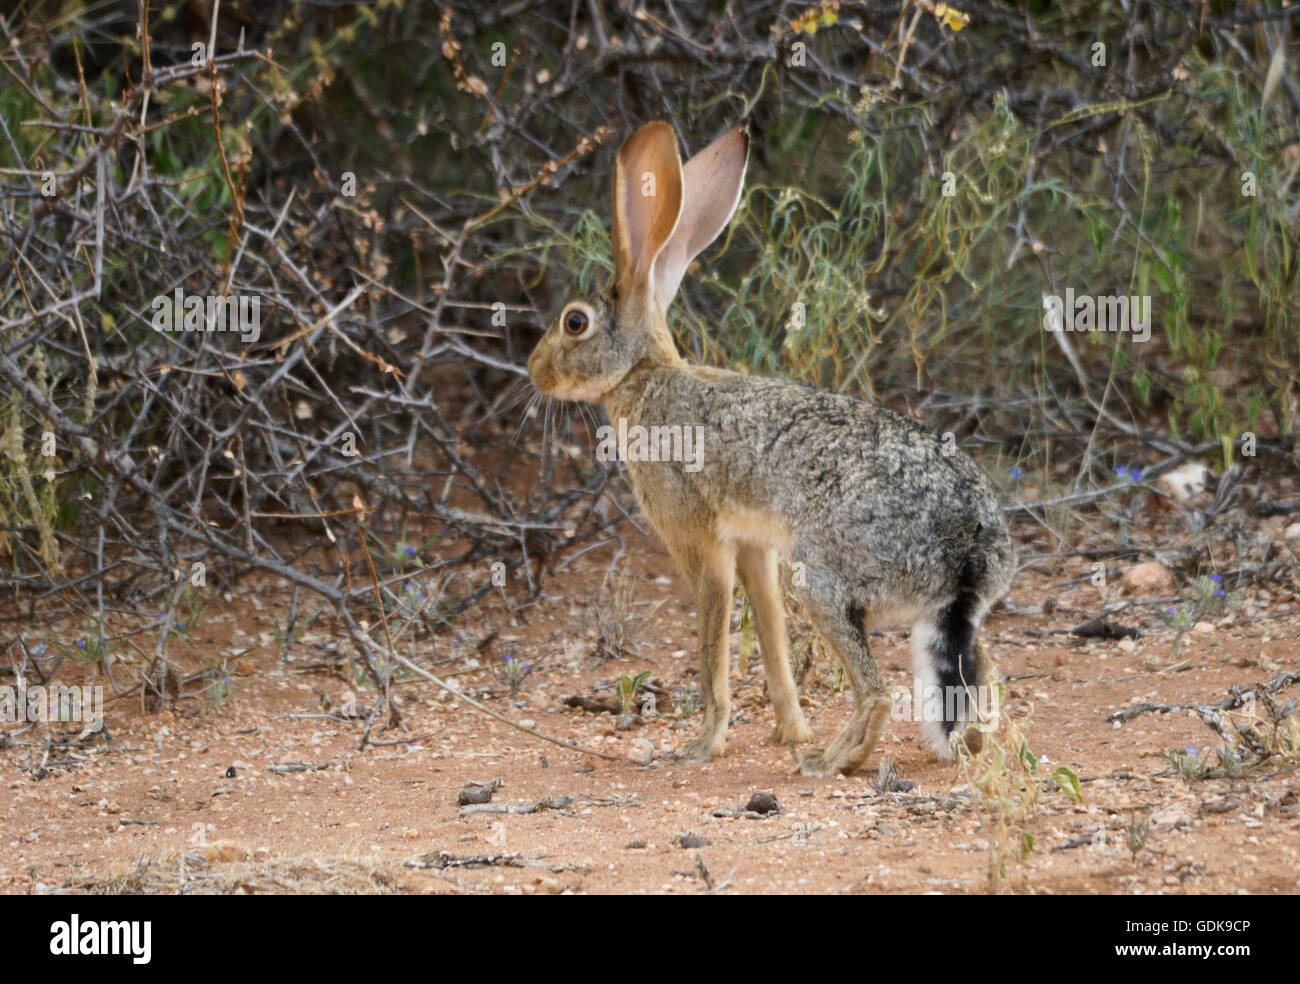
x,y
641,752
763,803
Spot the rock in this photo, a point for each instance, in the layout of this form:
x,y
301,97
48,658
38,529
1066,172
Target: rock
x,y
1185,481
641,752
474,794
1127,645
763,803
691,840
1202,628
1292,532
1152,578
1171,816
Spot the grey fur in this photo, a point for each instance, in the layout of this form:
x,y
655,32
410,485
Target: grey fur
x,y
870,496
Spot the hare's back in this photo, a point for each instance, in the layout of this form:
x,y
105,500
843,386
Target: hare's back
x,y
815,454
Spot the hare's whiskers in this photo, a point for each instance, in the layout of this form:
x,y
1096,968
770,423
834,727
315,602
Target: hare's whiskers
x,y
515,393
530,413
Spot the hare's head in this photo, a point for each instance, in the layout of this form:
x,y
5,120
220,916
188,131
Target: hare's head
x,y
664,215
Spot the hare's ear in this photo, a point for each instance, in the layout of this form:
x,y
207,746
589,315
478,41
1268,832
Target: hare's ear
x,y
713,179
647,203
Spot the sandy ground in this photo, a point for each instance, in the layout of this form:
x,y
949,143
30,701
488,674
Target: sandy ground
x,y
197,797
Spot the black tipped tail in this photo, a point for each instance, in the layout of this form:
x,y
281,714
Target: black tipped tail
x,y
953,651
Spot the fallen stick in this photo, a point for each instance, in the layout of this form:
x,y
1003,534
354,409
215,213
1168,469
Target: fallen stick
x,y
557,803
445,859
1238,698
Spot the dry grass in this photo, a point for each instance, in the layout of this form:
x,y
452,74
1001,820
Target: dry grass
x,y
197,874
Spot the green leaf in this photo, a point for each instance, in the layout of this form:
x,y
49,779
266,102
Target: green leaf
x,y
1163,277
1027,758
1096,233
1069,782
1142,385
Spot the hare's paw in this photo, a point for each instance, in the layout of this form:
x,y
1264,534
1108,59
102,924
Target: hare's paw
x,y
816,764
700,750
791,732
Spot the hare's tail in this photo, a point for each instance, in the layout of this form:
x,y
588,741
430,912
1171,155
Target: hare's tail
x,y
944,656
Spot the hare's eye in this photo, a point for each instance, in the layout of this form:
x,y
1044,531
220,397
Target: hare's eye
x,y
575,322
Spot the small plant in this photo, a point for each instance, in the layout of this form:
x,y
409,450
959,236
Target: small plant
x,y
220,687
515,673
688,702
1192,767
1188,764
616,619
1127,473
92,650
401,553
1009,785
193,601
286,639
30,488
411,600
1139,830
1258,740
1207,599
1286,738
626,687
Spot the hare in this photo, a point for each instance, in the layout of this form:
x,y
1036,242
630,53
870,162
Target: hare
x,y
880,519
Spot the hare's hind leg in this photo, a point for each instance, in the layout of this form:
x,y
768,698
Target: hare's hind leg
x,y
760,574
845,629
712,572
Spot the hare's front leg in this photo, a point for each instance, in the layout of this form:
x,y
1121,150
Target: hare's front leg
x,y
760,574
713,575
